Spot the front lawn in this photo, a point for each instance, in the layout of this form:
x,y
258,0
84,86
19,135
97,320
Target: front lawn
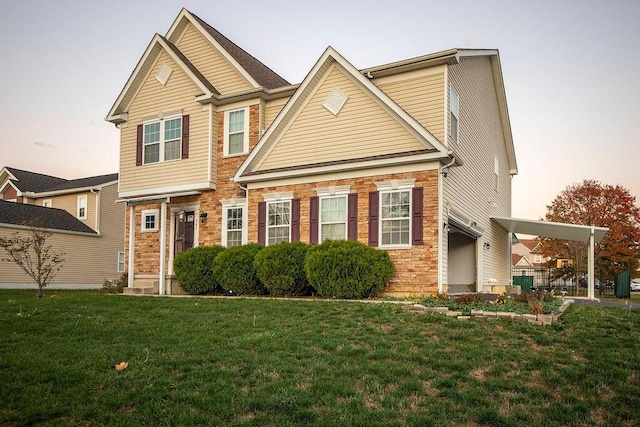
x,y
220,361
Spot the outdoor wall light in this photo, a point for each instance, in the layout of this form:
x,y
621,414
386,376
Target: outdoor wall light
x,y
487,246
203,216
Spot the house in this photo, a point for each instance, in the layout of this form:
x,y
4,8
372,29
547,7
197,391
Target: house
x,y
413,157
528,253
85,222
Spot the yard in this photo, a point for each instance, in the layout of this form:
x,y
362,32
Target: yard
x,y
223,361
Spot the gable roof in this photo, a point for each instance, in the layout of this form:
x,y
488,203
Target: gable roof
x,y
531,244
40,185
248,171
26,181
23,215
254,71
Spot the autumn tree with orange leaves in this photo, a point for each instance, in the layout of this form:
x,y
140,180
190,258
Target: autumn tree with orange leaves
x,y
596,204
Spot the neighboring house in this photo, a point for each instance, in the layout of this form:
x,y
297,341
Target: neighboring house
x,y
82,214
528,253
412,157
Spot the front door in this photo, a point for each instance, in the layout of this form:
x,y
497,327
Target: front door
x,y
184,227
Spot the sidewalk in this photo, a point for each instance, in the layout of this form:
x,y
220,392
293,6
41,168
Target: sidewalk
x,y
623,303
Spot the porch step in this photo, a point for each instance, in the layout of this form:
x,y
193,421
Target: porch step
x,y
139,290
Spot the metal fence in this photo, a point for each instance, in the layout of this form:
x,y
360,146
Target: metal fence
x,y
555,279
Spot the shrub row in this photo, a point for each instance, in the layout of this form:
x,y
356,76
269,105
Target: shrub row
x,y
335,269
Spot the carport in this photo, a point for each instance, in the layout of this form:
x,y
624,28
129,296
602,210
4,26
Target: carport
x,y
562,231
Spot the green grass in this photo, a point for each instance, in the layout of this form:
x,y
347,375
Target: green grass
x,y
206,361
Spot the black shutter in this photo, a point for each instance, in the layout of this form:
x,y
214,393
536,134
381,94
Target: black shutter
x,y
295,220
352,216
262,223
139,145
314,212
185,137
416,216
373,218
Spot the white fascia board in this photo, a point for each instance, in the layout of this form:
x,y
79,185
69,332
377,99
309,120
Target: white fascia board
x,y
185,14
69,190
321,170
7,182
9,174
331,54
149,55
173,191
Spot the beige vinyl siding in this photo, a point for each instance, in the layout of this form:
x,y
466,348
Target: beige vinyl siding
x,y
69,203
154,98
362,128
273,108
211,63
112,229
421,94
470,188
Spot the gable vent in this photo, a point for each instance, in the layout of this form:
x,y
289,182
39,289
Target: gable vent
x,y
164,74
335,101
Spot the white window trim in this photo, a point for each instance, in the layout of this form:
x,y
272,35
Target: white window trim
x,y
159,118
226,132
271,201
455,138
395,186
144,214
346,215
47,203
229,204
80,205
121,253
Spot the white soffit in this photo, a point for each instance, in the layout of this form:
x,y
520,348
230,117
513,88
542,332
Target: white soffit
x,y
554,230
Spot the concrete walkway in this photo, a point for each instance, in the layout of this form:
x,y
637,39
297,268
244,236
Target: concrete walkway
x,y
623,303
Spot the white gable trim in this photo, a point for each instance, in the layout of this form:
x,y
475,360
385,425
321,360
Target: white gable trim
x,y
330,56
145,65
8,182
178,26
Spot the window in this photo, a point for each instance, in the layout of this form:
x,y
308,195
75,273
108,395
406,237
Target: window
x,y
120,262
150,220
162,140
333,218
454,110
47,203
278,222
233,225
82,207
236,132
395,218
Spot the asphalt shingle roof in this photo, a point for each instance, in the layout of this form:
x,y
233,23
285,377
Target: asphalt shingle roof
x,y
31,181
91,181
57,219
262,74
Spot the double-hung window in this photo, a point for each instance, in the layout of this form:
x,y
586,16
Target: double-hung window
x,y
82,206
278,222
333,218
395,218
236,132
162,140
233,224
454,112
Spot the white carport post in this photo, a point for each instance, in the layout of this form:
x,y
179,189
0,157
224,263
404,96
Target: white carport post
x,y
591,267
163,247
132,234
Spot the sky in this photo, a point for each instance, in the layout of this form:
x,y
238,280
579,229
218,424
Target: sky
x,y
570,70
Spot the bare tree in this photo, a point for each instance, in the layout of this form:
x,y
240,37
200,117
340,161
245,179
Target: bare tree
x,y
33,255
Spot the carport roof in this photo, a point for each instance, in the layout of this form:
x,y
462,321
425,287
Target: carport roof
x,y
555,230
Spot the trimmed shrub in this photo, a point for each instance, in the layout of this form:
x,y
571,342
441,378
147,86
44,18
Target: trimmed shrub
x,y
280,268
193,269
235,271
347,269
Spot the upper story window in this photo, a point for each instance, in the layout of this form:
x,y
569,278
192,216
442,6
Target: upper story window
x,y
82,207
278,222
236,132
454,112
395,218
162,140
333,218
150,220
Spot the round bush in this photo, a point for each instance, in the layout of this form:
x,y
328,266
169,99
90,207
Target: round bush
x,y
193,269
235,271
347,269
280,268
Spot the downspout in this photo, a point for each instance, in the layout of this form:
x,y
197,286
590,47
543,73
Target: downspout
x,y
245,213
442,175
97,223
210,151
